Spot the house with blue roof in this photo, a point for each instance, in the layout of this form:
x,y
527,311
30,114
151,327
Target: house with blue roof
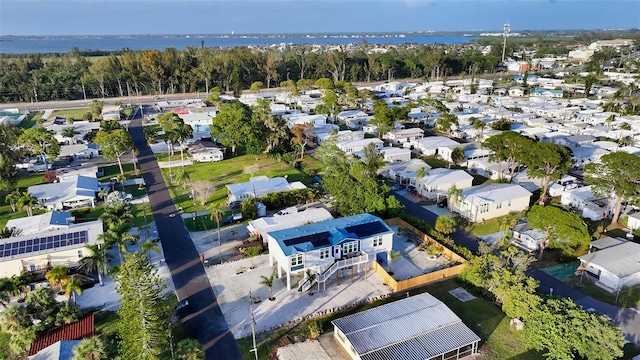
x,y
74,192
547,93
328,246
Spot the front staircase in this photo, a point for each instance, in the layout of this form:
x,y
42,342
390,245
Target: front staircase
x,y
325,274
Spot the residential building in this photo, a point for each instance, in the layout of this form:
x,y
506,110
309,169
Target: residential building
x,y
259,186
353,146
588,205
401,136
489,201
61,340
614,267
262,226
70,193
527,238
416,328
327,246
403,171
430,145
393,154
440,180
53,245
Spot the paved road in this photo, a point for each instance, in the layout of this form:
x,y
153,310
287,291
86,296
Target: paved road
x,y
205,321
627,318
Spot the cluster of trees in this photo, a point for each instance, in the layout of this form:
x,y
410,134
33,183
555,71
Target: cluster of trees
x,y
33,77
353,183
544,160
554,326
20,324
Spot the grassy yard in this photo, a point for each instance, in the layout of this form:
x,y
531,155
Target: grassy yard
x,y
498,340
627,297
23,182
434,161
95,213
31,120
114,170
225,172
77,113
485,228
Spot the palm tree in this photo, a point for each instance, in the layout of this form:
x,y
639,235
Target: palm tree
x,y
149,246
119,210
57,275
102,194
420,174
121,179
27,202
184,176
114,236
69,132
8,288
68,313
134,157
454,196
180,133
268,282
98,260
92,348
252,252
478,125
457,156
72,286
12,198
216,214
393,256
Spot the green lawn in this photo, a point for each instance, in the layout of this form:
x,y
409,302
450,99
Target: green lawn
x,y
114,170
498,340
225,172
106,324
96,212
485,228
31,120
77,113
23,182
626,298
434,161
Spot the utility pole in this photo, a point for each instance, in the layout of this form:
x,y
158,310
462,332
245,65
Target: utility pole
x,y
507,30
253,326
36,95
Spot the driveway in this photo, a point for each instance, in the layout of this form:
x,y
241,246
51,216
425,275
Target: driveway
x,y
205,321
627,318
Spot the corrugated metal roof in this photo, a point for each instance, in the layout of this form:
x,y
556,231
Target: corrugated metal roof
x,y
620,260
418,327
80,329
426,346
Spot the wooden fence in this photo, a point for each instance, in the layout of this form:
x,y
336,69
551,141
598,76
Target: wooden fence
x,y
424,278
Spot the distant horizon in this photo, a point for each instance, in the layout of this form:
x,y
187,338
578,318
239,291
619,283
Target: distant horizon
x,y
159,17
413,32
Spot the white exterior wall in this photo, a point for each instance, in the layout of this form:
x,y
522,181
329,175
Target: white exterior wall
x,y
367,246
631,280
398,156
517,205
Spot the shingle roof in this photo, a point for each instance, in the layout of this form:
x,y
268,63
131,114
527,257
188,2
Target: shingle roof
x,y
419,327
83,328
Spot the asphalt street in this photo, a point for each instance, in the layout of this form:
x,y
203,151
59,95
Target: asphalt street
x,y
627,318
203,319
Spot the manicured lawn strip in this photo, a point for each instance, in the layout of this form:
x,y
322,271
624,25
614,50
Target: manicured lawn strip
x,y
113,170
434,161
163,157
96,212
628,298
499,341
135,190
485,228
479,180
76,113
225,172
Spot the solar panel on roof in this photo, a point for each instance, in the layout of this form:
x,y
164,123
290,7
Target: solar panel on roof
x,y
321,238
368,229
43,243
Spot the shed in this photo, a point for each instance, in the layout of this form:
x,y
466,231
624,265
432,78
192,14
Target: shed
x,y
416,328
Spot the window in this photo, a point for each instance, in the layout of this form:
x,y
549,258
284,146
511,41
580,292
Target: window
x,y
296,259
377,241
499,205
350,247
484,208
324,253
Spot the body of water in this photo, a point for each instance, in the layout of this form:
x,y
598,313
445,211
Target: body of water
x,y
25,45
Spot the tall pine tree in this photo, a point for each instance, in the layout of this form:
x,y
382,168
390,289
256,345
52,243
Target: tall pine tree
x,y
144,327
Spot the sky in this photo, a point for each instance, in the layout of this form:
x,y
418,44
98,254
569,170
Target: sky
x,y
116,17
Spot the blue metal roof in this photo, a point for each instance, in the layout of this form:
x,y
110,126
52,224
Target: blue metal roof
x,y
328,233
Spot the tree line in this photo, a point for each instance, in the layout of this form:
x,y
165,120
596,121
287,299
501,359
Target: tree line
x,y
35,77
